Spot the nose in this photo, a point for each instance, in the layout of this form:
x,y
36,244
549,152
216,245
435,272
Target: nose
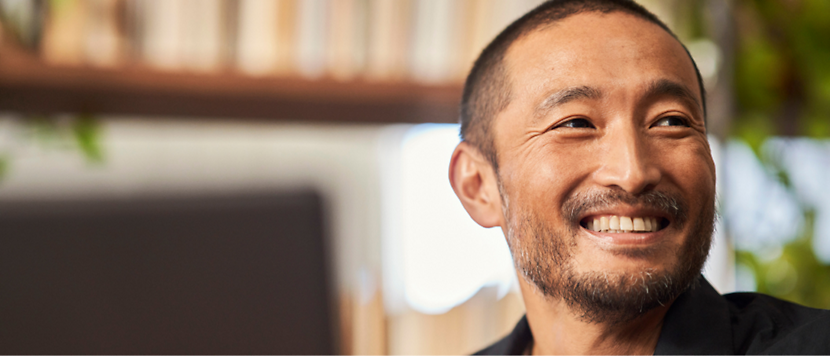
x,y
626,162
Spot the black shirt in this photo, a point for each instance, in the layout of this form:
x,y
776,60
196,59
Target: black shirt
x,y
701,321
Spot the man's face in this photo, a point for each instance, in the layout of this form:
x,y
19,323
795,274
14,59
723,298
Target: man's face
x,y
605,123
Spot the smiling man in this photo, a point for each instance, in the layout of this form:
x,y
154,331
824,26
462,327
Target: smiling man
x,y
584,138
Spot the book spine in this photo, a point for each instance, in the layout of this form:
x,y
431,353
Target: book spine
x,y
286,37
346,47
389,33
312,34
164,24
229,24
256,49
201,43
434,41
103,36
63,33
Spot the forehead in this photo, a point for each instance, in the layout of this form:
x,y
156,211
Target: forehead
x,y
606,51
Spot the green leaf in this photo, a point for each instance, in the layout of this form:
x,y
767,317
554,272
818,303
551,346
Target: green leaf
x,y
4,166
44,130
87,133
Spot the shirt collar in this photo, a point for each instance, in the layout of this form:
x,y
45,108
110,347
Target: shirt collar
x,y
698,322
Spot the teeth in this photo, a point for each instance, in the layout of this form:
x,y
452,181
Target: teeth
x,y
639,225
626,224
614,222
619,224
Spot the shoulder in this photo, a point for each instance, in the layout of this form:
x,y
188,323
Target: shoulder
x,y
701,321
764,324
498,348
514,343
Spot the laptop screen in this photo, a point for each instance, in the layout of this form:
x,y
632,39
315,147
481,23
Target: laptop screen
x,y
219,275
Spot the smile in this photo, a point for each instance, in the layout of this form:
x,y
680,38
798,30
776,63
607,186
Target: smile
x,y
624,224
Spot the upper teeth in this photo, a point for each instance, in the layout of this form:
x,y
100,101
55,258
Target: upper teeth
x,y
616,223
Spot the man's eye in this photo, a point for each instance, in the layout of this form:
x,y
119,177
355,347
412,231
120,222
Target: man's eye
x,y
672,121
577,124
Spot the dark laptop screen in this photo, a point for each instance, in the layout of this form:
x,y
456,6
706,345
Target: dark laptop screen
x,y
222,275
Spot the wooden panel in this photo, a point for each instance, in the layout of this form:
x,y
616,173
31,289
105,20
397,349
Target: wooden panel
x,y
467,328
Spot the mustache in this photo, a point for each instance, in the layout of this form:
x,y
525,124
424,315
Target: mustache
x,y
671,204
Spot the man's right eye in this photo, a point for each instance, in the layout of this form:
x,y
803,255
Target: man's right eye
x,y
576,124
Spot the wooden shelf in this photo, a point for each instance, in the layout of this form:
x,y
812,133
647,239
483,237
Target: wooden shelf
x,y
29,85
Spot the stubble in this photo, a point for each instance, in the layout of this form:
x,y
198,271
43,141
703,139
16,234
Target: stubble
x,y
544,256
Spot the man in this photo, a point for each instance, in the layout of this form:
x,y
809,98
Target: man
x,y
584,138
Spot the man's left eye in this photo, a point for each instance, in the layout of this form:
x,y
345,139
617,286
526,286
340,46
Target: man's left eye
x,y
672,121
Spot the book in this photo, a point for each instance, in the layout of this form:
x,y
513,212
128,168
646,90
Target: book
x,y
347,38
63,33
312,32
286,37
202,35
104,33
23,21
257,41
229,33
434,42
387,49
163,33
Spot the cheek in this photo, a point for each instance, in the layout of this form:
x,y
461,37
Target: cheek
x,y
544,179
693,171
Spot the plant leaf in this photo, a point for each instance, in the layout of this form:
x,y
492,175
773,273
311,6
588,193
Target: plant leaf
x,y
87,133
4,166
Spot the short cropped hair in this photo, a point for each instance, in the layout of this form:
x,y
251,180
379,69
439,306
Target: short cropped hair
x,y
487,88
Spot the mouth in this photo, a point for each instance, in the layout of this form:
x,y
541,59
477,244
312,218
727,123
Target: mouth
x,y
618,231
620,224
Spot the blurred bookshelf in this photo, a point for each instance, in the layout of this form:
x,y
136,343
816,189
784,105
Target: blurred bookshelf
x,y
30,85
301,60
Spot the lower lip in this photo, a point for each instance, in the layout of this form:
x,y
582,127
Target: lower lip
x,y
625,239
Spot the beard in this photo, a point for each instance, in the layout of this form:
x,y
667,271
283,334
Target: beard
x,y
544,256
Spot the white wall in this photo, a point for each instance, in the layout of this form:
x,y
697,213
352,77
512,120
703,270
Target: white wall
x,y
178,157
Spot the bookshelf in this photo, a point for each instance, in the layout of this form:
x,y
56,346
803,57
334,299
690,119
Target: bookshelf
x,y
382,61
29,85
376,61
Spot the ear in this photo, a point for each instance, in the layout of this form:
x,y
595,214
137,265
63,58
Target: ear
x,y
474,182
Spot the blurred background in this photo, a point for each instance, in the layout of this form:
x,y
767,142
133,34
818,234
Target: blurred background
x,y
257,176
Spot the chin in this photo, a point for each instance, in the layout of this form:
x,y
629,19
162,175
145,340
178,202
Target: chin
x,y
616,265
612,273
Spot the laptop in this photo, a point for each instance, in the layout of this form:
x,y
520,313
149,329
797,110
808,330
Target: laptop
x,y
235,274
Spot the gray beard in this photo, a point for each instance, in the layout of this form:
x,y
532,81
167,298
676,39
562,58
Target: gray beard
x,y
544,257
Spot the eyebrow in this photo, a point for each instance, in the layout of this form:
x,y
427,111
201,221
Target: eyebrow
x,y
667,87
566,95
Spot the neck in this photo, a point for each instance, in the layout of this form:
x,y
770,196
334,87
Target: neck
x,y
557,330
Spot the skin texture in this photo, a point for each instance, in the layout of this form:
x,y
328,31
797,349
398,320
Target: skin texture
x,y
604,105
